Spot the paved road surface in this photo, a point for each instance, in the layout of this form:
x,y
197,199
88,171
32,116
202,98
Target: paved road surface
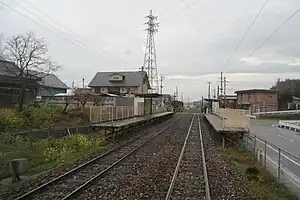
x,y
284,139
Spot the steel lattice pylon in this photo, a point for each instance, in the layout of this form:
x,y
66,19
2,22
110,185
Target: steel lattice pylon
x,y
150,53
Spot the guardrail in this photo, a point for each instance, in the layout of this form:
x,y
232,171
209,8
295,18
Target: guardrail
x,y
278,112
290,124
284,166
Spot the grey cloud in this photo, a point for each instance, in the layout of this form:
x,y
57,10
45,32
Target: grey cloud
x,y
194,42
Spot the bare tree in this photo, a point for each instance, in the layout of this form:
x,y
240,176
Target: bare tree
x,y
30,55
85,95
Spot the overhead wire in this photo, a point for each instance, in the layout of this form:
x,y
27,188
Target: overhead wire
x,y
273,33
66,29
182,10
246,33
37,23
168,8
79,44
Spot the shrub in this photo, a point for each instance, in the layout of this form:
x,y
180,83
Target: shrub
x,y
37,116
60,148
10,118
41,115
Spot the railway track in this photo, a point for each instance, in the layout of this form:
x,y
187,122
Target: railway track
x,y
146,173
72,182
190,179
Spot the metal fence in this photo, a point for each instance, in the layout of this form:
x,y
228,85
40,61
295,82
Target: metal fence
x,y
113,113
110,113
284,166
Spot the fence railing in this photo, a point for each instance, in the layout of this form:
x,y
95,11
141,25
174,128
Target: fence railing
x,y
99,114
284,166
110,113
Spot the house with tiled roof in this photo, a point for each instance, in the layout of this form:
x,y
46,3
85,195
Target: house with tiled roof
x,y
121,83
39,84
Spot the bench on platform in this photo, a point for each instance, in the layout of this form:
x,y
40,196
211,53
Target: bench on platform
x,y
112,128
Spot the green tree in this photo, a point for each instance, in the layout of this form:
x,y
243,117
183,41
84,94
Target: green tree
x,y
286,90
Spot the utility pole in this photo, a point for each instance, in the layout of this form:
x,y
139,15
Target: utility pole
x,y
150,53
83,83
202,105
161,84
214,93
218,92
174,96
221,89
188,102
143,78
208,95
225,83
177,92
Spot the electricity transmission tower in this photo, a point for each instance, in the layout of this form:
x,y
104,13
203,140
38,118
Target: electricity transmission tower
x,y
150,53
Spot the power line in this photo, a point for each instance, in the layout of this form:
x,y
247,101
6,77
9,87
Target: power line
x,y
167,9
273,33
185,8
247,31
66,29
32,20
41,25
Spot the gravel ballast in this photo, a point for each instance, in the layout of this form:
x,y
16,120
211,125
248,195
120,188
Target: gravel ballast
x,y
226,183
146,174
189,182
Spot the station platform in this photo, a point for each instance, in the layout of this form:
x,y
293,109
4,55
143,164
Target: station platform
x,y
221,125
112,128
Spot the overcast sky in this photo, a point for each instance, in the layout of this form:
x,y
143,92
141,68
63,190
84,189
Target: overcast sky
x,y
192,45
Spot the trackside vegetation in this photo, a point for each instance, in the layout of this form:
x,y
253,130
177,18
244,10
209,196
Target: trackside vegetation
x,y
260,183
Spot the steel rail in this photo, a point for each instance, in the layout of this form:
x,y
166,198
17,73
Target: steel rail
x,y
207,191
77,190
43,186
168,196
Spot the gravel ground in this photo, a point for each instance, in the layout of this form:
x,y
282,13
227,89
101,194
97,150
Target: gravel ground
x,y
146,174
55,173
225,181
190,184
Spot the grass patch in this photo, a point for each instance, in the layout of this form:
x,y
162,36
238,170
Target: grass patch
x,y
273,120
47,154
260,183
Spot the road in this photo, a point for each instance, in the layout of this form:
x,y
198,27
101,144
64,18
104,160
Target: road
x,y
282,138
285,139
